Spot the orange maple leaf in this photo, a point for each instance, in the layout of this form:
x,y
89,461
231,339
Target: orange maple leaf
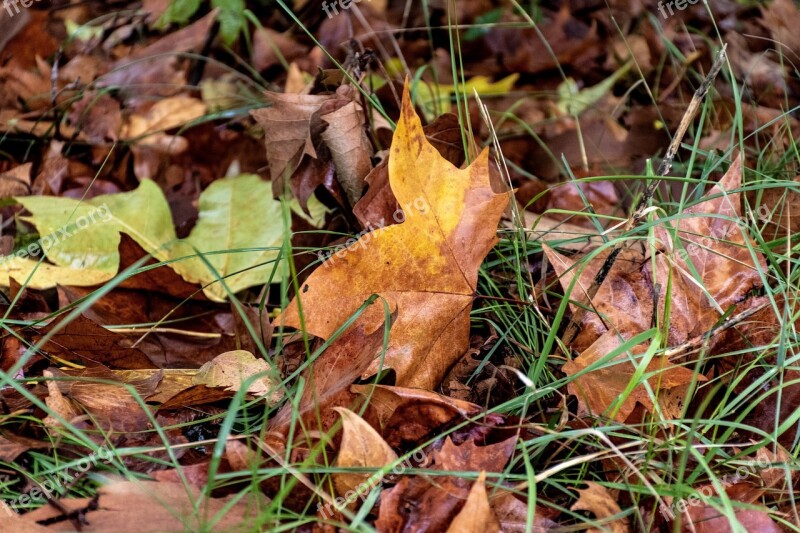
x,y
426,267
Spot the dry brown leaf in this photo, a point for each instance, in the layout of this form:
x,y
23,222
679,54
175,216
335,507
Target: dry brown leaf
x,y
12,522
597,500
778,213
150,507
287,130
272,48
165,114
432,503
774,477
11,25
362,447
564,235
599,389
9,450
16,182
623,303
57,403
476,515
328,380
111,405
513,515
84,342
407,415
419,503
706,519
425,267
709,239
563,40
782,18
153,70
470,457
295,81
713,240
350,148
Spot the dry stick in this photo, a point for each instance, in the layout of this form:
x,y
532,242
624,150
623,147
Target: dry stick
x,y
644,201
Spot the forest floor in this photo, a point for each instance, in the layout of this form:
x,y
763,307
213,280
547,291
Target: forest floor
x,y
468,265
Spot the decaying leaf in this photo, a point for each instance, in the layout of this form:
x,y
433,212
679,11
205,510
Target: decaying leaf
x,y
425,267
406,415
100,394
602,388
476,515
300,125
711,265
349,147
165,114
327,382
597,500
705,261
232,369
84,342
56,402
433,503
150,507
513,515
362,447
287,130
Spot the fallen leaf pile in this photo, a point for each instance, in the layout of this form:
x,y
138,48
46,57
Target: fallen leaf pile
x,y
251,279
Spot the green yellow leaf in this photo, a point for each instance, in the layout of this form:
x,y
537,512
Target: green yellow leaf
x,y
237,215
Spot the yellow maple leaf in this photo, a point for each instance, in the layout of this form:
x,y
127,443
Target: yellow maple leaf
x,y
426,267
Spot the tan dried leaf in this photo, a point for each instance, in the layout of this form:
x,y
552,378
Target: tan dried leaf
x,y
597,500
231,369
476,515
362,447
350,148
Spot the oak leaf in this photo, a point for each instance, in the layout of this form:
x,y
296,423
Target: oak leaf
x,y
425,267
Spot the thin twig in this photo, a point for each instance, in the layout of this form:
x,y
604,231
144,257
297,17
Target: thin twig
x,y
641,208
